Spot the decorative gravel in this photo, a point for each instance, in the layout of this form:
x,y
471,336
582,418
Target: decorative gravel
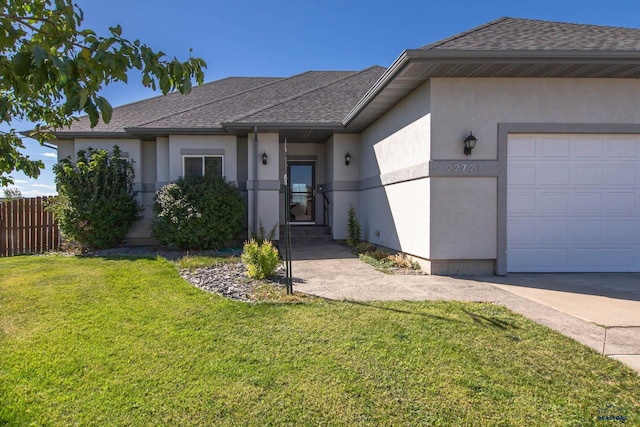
x,y
229,280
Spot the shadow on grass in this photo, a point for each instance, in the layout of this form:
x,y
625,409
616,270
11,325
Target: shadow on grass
x,y
477,319
481,320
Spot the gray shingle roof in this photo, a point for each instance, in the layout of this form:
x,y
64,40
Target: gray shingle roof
x,y
311,97
528,34
134,114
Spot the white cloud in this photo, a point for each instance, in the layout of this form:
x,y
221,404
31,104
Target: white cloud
x,y
20,181
49,187
37,193
51,155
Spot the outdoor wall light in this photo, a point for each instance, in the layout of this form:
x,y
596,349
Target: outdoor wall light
x,y
347,159
469,144
264,158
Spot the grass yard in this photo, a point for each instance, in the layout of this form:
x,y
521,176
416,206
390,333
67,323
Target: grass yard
x,y
96,341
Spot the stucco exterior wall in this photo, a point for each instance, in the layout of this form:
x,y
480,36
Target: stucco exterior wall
x,y
479,104
394,207
342,183
268,195
65,149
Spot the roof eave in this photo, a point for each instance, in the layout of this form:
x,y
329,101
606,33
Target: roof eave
x,y
64,135
283,125
472,57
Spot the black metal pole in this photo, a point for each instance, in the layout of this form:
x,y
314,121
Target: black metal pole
x,y
287,231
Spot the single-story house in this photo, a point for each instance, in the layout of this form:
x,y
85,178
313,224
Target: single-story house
x,y
552,184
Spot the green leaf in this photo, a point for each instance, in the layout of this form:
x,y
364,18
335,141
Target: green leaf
x,y
39,55
21,63
84,96
105,108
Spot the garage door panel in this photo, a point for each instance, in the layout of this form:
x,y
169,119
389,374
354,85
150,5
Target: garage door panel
x,y
551,231
522,231
522,147
552,147
620,174
621,147
586,147
622,231
586,203
521,203
597,259
586,174
554,174
575,206
618,203
585,231
553,202
538,260
525,174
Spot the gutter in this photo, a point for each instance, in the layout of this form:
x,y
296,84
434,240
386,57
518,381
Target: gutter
x,y
378,86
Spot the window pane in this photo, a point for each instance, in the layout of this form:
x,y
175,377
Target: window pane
x,y
213,166
192,166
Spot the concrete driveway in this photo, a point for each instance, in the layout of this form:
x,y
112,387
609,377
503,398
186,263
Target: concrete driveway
x,y
598,310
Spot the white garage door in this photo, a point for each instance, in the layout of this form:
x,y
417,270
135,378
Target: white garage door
x,y
573,203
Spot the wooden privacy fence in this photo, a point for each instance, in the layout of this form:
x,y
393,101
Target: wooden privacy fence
x,y
26,227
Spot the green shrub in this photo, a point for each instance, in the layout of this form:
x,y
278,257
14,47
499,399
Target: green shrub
x,y
382,264
401,261
261,260
198,213
354,230
96,204
262,236
363,247
379,254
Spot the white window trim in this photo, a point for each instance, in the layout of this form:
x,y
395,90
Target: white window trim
x,y
202,156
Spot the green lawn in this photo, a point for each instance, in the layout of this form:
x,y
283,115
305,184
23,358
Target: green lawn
x,y
95,341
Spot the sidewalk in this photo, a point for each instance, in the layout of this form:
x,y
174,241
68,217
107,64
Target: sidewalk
x,y
571,304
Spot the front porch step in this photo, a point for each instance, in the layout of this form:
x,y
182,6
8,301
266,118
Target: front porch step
x,y
309,233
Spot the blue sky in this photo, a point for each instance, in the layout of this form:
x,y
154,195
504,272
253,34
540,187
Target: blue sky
x,y
286,37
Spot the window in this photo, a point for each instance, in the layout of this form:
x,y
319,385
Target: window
x,y
203,165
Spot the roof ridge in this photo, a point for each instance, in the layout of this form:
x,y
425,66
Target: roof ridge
x,y
279,79
292,97
464,33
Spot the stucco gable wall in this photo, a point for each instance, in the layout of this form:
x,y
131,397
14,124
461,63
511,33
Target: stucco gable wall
x,y
479,104
394,199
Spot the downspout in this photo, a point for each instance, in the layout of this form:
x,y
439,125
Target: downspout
x,y
255,179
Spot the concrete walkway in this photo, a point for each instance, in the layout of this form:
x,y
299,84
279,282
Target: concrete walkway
x,y
598,310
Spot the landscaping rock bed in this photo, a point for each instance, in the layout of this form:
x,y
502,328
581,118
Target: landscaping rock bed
x,y
229,280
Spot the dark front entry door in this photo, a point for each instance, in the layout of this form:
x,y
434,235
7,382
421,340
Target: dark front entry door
x,y
301,190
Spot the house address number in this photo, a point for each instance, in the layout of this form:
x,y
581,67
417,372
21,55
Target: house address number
x,y
462,167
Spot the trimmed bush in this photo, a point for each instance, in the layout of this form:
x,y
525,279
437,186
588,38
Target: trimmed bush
x,y
354,230
261,259
198,213
96,204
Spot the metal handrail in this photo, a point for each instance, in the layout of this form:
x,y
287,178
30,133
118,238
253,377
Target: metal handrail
x,y
325,207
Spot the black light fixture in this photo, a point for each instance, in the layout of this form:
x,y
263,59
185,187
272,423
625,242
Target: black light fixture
x,y
469,144
264,158
347,159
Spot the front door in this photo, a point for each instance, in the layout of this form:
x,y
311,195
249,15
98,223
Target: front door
x,y
301,192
